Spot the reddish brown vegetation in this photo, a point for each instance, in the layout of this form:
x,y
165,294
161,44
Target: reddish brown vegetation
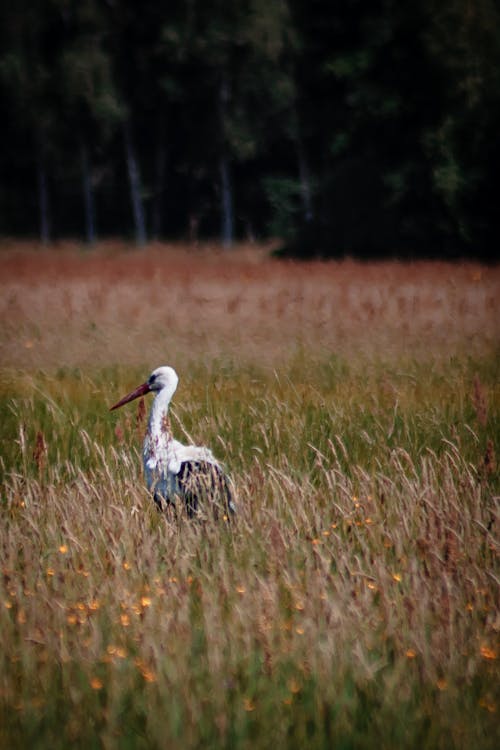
x,y
169,302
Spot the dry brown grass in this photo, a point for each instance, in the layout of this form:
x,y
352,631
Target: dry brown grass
x,y
174,303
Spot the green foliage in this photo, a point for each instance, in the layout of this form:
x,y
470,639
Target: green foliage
x,y
283,195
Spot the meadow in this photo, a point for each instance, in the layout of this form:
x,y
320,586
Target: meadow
x,y
353,603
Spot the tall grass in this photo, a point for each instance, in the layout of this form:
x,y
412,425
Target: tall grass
x,y
353,603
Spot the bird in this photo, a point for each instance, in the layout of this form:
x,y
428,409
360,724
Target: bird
x,y
174,471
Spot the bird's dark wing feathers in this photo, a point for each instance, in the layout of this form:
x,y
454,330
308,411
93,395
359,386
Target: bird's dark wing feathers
x,y
204,485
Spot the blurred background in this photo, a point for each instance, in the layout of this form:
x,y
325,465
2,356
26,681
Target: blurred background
x,y
347,128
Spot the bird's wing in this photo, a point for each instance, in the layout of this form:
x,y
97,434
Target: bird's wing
x,y
204,485
179,453
189,471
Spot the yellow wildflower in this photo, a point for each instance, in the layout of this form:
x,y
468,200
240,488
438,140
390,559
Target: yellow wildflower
x,y
488,704
248,704
488,653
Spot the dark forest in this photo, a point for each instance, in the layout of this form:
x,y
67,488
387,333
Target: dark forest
x,y
348,128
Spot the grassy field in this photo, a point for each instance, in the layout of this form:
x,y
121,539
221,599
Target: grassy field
x,y
354,603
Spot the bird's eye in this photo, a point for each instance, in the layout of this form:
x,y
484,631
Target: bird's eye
x,y
152,379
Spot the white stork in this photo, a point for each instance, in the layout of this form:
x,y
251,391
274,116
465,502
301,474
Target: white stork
x,y
173,470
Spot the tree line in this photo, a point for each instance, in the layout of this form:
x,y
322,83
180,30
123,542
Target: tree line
x,y
342,128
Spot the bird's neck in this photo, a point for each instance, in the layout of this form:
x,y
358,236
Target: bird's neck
x,y
159,423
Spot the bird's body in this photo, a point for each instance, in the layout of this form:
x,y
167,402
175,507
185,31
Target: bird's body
x,y
174,471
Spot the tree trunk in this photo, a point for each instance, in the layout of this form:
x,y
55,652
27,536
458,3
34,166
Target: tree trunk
x,y
157,210
226,189
88,196
43,201
135,187
305,182
226,201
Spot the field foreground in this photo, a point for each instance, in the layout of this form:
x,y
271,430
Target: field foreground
x,y
354,603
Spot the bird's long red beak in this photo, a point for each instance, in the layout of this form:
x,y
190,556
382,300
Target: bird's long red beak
x,y
139,391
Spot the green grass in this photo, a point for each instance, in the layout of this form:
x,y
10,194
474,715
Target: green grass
x,y
353,604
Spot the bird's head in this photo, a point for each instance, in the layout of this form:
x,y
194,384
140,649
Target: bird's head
x,y
163,378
